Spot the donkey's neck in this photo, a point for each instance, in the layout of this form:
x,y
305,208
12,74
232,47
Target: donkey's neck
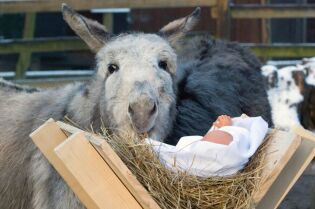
x,y
84,107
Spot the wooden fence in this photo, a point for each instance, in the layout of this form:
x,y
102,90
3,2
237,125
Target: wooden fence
x,y
222,10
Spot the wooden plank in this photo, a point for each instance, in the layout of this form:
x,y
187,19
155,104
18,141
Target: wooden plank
x,y
223,19
279,151
25,56
55,5
282,50
265,27
75,44
124,174
97,179
42,45
68,128
46,138
304,133
290,174
49,82
108,21
118,166
273,11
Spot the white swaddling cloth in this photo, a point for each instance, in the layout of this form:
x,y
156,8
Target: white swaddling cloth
x,y
205,159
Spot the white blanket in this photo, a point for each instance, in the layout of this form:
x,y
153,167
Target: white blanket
x,y
205,159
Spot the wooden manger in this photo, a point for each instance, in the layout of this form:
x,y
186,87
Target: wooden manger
x,y
102,181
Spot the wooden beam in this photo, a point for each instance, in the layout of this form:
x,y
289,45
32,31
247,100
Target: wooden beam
x,y
16,6
25,56
108,21
42,45
47,137
223,19
90,172
50,82
282,50
75,44
123,173
265,27
273,11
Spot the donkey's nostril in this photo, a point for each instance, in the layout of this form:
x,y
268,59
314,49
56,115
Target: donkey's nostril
x,y
153,109
130,110
289,83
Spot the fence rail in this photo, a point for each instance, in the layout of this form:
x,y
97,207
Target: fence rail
x,y
22,6
41,45
75,44
273,11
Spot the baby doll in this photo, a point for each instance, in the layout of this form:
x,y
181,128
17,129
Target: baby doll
x,y
224,150
217,136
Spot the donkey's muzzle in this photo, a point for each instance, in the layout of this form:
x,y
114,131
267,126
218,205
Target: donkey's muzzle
x,y
142,113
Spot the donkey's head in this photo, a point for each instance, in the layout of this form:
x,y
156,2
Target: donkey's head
x,y
138,71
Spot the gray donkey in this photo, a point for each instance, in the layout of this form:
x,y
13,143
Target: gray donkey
x,y
133,90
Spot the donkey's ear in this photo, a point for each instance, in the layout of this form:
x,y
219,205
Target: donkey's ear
x,y
93,33
178,28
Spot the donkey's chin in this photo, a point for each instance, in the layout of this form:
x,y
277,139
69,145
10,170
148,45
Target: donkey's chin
x,y
144,130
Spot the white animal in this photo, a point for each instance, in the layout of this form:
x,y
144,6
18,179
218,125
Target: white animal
x,y
284,108
284,95
270,73
310,73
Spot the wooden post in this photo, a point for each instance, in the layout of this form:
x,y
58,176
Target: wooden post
x,y
265,27
265,30
223,19
108,21
25,56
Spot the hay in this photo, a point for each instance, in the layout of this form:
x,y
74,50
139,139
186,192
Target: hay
x,y
180,190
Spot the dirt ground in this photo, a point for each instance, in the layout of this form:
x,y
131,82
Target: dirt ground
x,y
302,195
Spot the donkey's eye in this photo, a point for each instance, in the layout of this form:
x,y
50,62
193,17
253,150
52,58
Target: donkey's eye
x,y
112,68
163,64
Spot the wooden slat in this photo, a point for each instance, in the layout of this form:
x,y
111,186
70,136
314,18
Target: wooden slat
x,y
25,57
55,5
223,20
273,11
254,11
279,151
51,82
124,174
117,165
42,45
75,44
292,171
108,21
47,137
282,50
92,174
68,128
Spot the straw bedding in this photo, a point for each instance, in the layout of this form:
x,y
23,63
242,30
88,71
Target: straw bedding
x,y
180,190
